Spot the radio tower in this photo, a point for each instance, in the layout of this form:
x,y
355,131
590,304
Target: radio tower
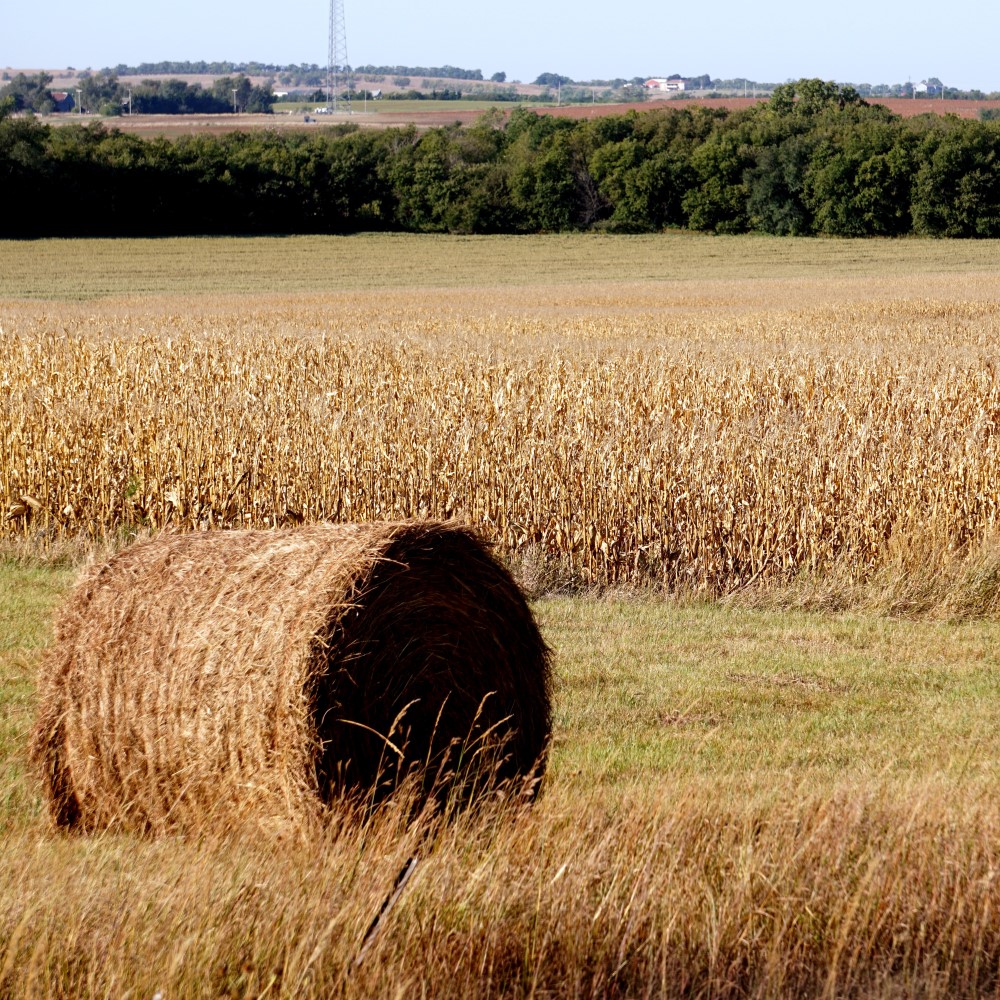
x,y
336,63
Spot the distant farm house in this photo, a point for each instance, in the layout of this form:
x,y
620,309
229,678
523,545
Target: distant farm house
x,y
665,83
62,100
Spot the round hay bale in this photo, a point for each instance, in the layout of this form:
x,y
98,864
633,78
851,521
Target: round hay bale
x,y
193,675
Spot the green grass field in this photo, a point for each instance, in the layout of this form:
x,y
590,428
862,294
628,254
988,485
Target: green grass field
x,y
406,107
651,689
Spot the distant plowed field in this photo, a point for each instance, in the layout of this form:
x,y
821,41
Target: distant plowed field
x,y
899,105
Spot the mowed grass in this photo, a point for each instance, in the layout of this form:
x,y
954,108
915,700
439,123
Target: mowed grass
x,y
27,596
650,689
89,269
722,693
739,803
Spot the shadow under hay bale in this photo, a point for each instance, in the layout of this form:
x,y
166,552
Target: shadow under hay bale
x,y
199,676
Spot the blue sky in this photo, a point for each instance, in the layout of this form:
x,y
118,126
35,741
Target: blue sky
x,y
767,40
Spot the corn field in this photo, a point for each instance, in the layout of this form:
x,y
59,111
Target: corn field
x,y
701,437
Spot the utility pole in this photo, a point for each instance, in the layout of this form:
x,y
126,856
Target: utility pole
x,y
234,100
337,56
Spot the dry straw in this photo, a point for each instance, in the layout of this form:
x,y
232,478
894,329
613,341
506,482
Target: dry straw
x,y
205,674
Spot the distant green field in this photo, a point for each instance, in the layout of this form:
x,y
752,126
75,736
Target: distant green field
x,y
406,107
87,269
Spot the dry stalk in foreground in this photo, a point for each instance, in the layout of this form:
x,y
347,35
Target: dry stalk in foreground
x,y
690,891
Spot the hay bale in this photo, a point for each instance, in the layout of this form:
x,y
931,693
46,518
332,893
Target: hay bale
x,y
199,674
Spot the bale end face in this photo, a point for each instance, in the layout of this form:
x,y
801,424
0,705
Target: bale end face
x,y
442,665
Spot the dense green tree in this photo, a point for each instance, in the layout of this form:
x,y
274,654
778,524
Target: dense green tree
x,y
956,191
427,179
242,96
25,177
642,164
811,97
717,200
551,80
775,187
814,159
860,179
102,93
547,176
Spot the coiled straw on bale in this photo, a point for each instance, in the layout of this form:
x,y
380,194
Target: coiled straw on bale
x,y
194,675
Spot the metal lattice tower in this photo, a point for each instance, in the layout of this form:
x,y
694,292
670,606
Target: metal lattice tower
x,y
337,70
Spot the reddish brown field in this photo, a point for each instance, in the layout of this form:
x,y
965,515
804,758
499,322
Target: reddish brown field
x,y
906,107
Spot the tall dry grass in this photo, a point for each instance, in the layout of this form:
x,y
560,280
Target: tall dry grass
x,y
706,437
683,892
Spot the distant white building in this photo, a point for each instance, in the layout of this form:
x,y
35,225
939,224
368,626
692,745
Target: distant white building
x,y
665,83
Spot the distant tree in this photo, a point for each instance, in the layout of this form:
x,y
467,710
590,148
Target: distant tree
x,y
551,80
102,92
247,99
30,93
175,97
810,97
500,77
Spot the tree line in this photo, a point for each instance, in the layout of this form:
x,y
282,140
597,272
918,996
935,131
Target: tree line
x,y
815,159
104,94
